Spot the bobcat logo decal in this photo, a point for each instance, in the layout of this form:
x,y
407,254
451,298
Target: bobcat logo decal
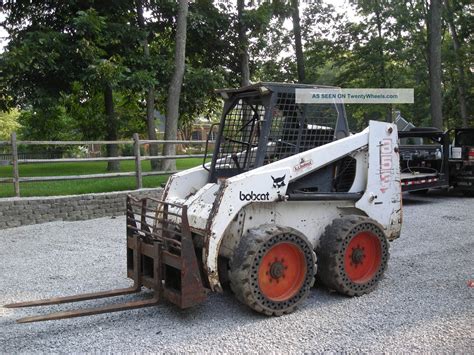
x,y
279,181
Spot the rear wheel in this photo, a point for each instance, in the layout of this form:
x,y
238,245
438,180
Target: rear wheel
x,y
353,255
272,270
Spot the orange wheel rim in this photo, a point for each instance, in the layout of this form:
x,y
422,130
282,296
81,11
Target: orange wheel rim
x,y
282,272
363,257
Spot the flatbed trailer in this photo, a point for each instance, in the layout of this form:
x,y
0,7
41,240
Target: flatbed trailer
x,y
424,166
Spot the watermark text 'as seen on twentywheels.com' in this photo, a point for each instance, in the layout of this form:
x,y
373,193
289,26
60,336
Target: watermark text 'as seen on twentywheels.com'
x,y
355,96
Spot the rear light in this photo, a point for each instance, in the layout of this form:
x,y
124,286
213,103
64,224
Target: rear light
x,y
470,154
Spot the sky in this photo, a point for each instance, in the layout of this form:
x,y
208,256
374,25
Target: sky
x,y
341,6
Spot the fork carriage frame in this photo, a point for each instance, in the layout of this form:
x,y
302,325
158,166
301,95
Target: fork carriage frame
x,y
159,257
162,256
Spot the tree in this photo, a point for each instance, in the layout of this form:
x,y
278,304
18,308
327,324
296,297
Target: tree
x,y
112,127
48,122
62,44
458,53
174,91
243,45
434,37
327,43
379,36
106,69
8,123
411,32
297,38
150,90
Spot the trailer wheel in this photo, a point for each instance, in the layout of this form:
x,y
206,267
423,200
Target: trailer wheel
x,y
272,270
353,255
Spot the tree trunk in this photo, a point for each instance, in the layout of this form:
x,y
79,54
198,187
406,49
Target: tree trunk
x,y
459,65
174,92
150,93
435,63
298,43
243,46
111,123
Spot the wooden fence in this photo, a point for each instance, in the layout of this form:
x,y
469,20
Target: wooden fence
x,y
137,157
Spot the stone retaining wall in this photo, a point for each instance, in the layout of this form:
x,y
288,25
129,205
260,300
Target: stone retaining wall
x,y
16,212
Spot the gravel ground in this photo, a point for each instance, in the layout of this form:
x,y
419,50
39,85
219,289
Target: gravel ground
x,y
422,305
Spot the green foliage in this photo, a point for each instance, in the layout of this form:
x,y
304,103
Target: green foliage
x,y
33,68
387,48
57,71
86,107
48,123
8,123
60,56
198,97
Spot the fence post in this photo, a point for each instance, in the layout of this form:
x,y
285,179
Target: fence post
x,y
138,163
16,174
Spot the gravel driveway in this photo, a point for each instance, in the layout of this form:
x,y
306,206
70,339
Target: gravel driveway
x,y
423,303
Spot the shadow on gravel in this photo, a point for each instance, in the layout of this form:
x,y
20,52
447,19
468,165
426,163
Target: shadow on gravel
x,y
410,200
432,196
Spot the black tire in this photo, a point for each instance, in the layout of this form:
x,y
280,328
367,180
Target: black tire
x,y
333,257
246,264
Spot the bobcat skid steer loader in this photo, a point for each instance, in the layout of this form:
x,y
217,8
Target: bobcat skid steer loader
x,y
289,194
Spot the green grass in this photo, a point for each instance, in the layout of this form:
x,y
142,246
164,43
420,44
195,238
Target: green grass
x,y
75,187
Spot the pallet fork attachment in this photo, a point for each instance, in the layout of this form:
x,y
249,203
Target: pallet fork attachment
x,y
160,256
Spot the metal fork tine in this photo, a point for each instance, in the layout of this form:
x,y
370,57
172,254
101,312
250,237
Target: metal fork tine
x,y
91,311
75,298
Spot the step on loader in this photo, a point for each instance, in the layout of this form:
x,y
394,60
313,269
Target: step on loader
x,y
290,194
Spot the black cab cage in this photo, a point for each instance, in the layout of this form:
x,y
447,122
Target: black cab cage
x,y
262,123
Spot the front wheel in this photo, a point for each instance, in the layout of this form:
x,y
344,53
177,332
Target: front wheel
x,y
353,255
272,270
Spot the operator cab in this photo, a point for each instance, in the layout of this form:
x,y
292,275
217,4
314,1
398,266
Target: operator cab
x,y
263,123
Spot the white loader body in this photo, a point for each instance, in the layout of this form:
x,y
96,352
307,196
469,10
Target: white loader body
x,y
222,212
